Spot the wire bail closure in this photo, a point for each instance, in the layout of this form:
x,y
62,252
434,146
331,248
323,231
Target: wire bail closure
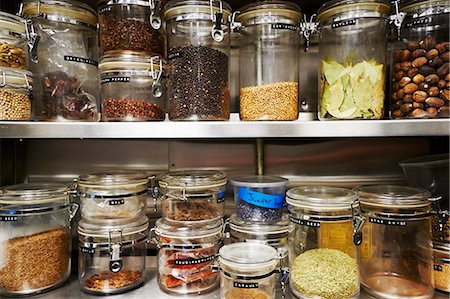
x,y
217,30
157,89
308,29
358,221
115,250
397,18
155,19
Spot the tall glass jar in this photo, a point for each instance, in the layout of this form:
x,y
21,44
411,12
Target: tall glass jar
x,y
420,72
112,254
269,44
130,26
198,42
66,86
185,256
133,87
396,257
352,49
35,239
193,195
322,250
15,94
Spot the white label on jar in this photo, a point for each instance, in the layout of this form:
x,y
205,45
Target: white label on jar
x,y
173,55
245,285
304,222
104,9
87,250
418,22
115,80
116,202
80,60
284,26
343,23
438,268
387,222
9,218
194,261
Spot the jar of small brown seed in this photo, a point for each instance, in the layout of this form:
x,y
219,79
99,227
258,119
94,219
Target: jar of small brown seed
x,y
15,94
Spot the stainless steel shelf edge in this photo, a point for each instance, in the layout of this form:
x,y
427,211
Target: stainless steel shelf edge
x,y
227,129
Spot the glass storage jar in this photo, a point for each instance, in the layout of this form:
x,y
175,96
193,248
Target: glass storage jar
x,y
441,253
35,240
396,257
198,42
185,256
196,195
15,94
66,85
131,25
322,251
112,195
269,44
259,198
352,50
420,72
132,87
112,254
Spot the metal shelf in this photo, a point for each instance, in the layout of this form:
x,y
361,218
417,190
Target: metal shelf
x,y
227,129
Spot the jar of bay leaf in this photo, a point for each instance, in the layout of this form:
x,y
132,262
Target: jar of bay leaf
x,y
269,44
198,42
420,72
15,94
352,49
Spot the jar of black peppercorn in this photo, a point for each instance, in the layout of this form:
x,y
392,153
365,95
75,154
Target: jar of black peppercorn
x,y
198,42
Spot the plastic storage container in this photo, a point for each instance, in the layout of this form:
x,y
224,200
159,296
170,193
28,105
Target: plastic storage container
x,y
112,255
65,85
322,251
269,43
35,241
441,266
130,26
113,195
192,195
185,256
396,257
198,42
15,94
259,198
420,72
352,50
133,87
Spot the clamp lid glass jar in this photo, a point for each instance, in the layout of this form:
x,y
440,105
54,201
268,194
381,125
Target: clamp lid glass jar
x,y
133,87
35,241
112,254
322,250
110,195
395,257
268,54
15,94
352,49
441,253
198,54
196,195
185,256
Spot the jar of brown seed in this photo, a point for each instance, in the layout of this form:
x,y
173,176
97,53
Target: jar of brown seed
x,y
15,94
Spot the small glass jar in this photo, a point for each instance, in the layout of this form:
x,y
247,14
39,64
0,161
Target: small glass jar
x,y
441,253
322,245
247,270
269,44
130,26
185,256
133,87
65,86
15,94
193,195
198,42
35,240
420,71
259,198
396,257
112,255
113,195
352,49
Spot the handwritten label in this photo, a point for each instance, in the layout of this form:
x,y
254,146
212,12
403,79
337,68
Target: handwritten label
x,y
104,9
245,285
116,202
194,261
9,218
343,23
304,222
270,201
80,60
418,22
387,222
115,80
284,26
87,250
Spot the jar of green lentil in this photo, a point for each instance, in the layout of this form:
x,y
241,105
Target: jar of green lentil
x,y
15,94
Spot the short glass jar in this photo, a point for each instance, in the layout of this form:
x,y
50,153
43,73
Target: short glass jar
x,y
396,257
112,254
322,251
441,253
133,87
185,256
196,195
259,198
112,195
35,240
15,94
269,44
352,50
198,42
420,71
131,25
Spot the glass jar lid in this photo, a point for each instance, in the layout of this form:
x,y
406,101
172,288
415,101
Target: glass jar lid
x,y
188,230
247,255
192,180
113,179
129,61
392,196
35,194
429,161
112,227
443,250
13,25
250,227
270,12
410,5
335,7
15,78
64,11
260,181
103,3
181,10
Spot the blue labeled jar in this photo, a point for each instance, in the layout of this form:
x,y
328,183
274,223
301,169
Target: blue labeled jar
x,y
259,197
